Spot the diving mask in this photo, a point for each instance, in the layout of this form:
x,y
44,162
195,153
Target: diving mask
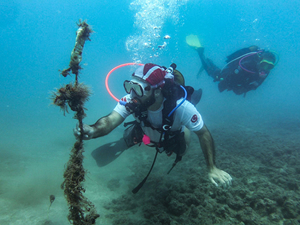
x,y
266,65
139,88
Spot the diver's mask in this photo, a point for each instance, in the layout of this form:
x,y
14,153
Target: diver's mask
x,y
265,67
140,89
141,94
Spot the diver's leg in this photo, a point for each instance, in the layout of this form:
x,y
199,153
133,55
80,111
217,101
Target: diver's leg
x,y
208,65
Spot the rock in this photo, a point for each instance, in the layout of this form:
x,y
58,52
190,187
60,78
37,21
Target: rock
x,y
248,216
275,217
265,206
236,203
176,208
290,209
194,213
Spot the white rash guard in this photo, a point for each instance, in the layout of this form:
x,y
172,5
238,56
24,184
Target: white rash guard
x,y
185,115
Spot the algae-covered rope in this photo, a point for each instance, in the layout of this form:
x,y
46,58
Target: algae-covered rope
x,y
73,96
82,34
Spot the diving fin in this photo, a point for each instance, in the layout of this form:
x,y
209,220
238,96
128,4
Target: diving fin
x,y
193,41
196,97
199,72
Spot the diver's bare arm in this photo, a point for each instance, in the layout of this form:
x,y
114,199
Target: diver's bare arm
x,y
106,124
207,146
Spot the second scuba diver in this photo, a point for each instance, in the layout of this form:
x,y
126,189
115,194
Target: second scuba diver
x,y
163,119
246,69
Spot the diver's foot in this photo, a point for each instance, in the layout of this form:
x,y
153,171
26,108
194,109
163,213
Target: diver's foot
x,y
196,97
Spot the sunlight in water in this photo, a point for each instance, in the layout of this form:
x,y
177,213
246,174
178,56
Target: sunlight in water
x,y
150,17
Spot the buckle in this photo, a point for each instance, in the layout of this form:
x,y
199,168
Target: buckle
x,y
166,127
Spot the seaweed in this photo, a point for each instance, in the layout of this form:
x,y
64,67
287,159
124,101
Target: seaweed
x,y
82,34
73,96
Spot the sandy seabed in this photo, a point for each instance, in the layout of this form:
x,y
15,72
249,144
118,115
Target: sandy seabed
x,y
264,166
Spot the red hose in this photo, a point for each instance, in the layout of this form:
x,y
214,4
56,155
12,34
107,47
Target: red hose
x,y
110,72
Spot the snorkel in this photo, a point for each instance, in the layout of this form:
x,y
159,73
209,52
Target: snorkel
x,y
109,73
132,106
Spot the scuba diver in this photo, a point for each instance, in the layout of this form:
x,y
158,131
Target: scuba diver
x,y
246,69
163,118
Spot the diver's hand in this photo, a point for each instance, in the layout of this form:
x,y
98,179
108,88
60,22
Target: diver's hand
x,y
88,131
221,176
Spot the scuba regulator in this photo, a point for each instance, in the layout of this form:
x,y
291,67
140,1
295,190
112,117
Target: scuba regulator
x,y
140,109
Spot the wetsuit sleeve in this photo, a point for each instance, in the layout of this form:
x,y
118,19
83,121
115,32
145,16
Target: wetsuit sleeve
x,y
190,117
121,108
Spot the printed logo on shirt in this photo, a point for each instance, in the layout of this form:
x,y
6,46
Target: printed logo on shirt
x,y
194,118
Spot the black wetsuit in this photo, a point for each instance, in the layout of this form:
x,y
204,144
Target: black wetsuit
x,y
233,77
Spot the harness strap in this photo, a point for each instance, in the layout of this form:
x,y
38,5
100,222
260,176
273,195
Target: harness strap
x,y
171,94
129,123
178,158
167,119
135,190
